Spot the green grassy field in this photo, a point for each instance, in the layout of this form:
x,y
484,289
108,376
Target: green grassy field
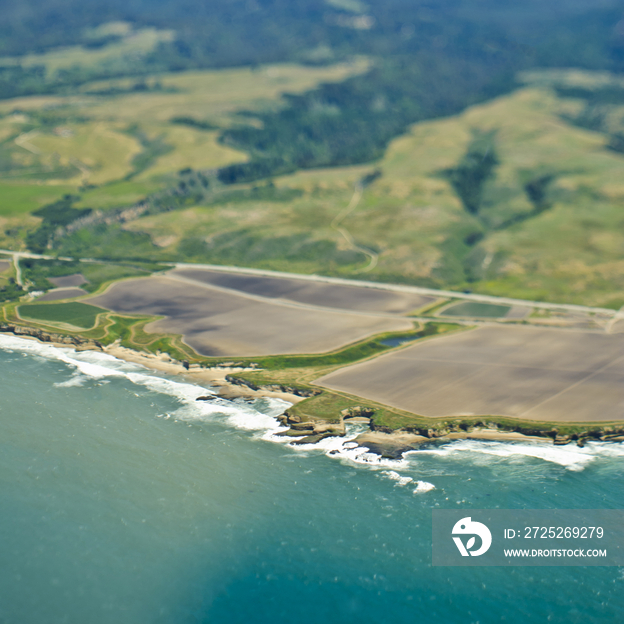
x,y
74,313
90,128
100,151
20,199
102,146
472,308
116,194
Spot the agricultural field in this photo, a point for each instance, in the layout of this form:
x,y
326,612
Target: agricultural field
x,y
309,292
62,293
522,372
68,281
49,274
216,323
77,314
360,343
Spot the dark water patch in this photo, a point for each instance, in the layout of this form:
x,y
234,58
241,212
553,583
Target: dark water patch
x,y
397,342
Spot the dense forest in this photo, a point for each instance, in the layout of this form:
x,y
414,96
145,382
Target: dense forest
x,y
224,33
234,32
450,64
352,122
429,59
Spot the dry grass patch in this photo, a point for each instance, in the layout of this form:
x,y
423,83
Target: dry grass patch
x,y
100,151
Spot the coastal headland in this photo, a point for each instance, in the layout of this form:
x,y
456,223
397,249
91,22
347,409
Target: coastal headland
x,y
416,366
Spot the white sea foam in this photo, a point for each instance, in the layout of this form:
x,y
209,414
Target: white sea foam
x,y
423,486
395,476
90,363
96,365
252,420
100,366
340,447
75,380
570,456
608,449
401,480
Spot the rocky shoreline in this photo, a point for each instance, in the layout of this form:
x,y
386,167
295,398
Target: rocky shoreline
x,y
393,443
384,441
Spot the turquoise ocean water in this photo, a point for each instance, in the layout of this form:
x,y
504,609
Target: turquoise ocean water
x,y
125,501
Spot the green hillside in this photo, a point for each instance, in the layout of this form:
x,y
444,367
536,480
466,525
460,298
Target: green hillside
x,y
546,225
415,144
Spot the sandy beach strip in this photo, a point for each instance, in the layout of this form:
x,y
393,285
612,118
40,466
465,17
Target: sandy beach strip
x,y
213,377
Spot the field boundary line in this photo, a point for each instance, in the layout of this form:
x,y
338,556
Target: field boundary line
x,y
286,303
574,385
418,290
619,315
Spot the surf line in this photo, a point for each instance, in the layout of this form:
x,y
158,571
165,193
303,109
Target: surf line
x,y
263,417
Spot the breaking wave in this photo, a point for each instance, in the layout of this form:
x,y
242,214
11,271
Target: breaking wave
x,y
570,456
260,416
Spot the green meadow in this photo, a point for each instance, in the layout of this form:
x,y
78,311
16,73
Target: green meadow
x,y
21,199
475,309
74,313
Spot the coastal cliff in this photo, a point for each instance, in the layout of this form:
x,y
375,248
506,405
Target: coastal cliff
x,y
306,425
289,389
43,336
392,443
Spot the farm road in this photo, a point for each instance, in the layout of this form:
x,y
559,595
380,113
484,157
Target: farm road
x,y
304,294
431,292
